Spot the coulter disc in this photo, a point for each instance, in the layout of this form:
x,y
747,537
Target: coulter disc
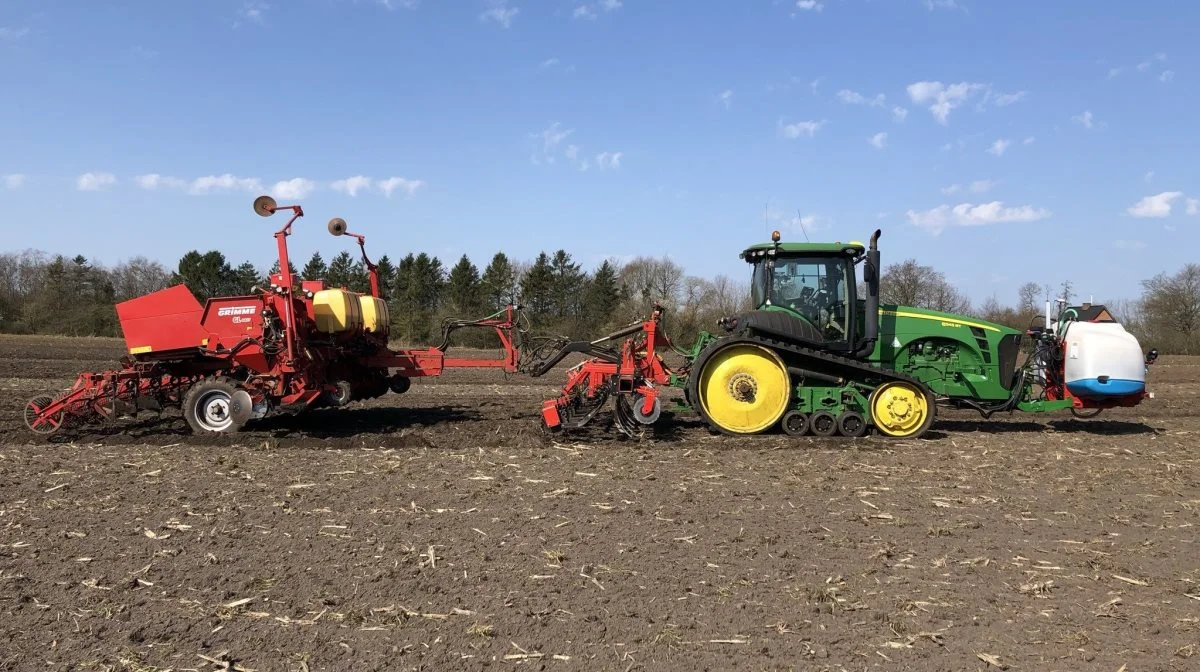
x,y
36,422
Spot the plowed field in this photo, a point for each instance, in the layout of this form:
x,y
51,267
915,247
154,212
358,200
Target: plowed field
x,y
441,530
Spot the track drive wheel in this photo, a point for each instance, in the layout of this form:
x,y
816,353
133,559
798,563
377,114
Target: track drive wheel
x,y
214,406
901,409
743,389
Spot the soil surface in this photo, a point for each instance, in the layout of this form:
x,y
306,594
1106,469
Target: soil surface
x,y
440,529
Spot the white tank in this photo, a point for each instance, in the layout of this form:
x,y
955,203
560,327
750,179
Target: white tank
x,y
1103,360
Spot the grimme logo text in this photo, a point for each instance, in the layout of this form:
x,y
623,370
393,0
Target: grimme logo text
x,y
235,310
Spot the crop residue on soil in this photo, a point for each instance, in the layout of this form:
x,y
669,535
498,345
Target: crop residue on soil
x,y
441,530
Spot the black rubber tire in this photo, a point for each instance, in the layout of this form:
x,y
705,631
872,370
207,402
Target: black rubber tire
x,y
201,406
400,384
343,396
794,423
823,423
852,424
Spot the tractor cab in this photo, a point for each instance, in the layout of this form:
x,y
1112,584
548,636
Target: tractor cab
x,y
808,292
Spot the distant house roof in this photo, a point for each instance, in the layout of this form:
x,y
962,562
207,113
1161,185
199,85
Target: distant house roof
x,y
1092,312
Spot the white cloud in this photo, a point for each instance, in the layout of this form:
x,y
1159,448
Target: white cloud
x,y
351,185
252,11
409,187
1193,206
153,181
1009,98
610,5
943,4
95,181
899,113
856,98
1167,76
726,98
982,186
1084,119
584,12
878,141
1129,244
941,98
1113,72
1158,205
952,189
392,4
10,33
1143,66
502,15
605,160
809,5
793,131
572,152
549,63
551,138
947,147
293,189
999,147
814,84
224,182
14,181
1149,176
966,214
1029,141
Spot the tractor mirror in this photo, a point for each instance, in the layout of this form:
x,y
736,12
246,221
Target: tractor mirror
x,y
337,226
264,206
1152,355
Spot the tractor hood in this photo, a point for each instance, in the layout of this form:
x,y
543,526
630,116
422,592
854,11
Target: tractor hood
x,y
926,320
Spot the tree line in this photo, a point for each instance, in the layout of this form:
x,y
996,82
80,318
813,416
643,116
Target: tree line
x,y
43,294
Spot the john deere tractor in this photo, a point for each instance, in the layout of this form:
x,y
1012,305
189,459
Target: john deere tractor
x,y
813,357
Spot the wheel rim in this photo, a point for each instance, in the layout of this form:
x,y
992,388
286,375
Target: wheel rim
x,y
744,389
899,409
795,423
824,424
852,424
213,411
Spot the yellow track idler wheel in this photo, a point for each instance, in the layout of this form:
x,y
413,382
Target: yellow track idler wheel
x,y
744,389
901,410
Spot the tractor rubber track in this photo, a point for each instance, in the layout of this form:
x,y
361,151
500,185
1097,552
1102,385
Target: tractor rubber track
x,y
799,356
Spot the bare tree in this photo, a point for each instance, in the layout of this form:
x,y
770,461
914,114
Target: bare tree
x,y
138,276
911,284
1170,308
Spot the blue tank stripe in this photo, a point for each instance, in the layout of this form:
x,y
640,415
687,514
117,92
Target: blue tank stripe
x,y
1092,387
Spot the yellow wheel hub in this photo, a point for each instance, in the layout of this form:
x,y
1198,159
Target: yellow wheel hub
x,y
744,389
899,409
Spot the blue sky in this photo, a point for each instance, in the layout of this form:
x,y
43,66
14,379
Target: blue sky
x,y
997,141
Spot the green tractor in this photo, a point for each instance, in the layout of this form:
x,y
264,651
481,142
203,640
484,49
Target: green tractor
x,y
813,357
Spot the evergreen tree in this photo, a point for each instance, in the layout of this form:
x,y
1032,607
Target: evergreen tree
x,y
291,267
245,277
315,269
340,272
498,283
463,288
387,276
206,275
418,289
602,297
360,279
537,287
567,287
